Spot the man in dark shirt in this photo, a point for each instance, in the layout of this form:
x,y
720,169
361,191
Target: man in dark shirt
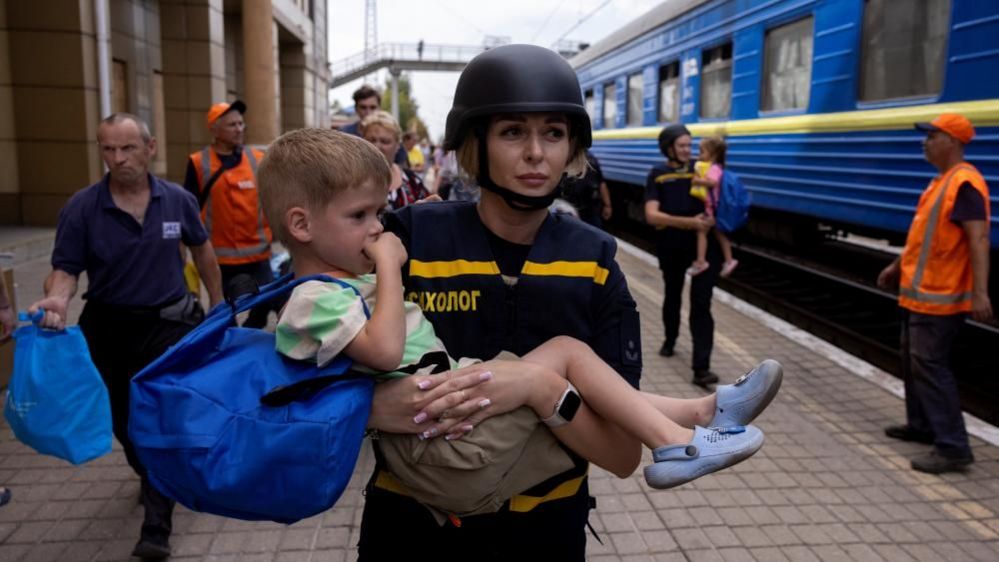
x,y
677,216
125,232
367,100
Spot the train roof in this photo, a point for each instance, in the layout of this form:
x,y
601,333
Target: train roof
x,y
641,25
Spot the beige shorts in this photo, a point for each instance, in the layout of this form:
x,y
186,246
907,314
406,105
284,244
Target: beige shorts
x,y
503,456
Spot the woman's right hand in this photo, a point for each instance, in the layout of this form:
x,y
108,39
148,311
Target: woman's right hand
x,y
702,222
414,404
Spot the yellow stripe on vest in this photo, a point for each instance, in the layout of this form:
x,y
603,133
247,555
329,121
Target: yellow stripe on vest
x,y
588,269
438,269
518,503
566,489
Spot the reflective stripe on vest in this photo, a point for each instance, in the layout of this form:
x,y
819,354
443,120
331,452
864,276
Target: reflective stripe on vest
x,y
206,168
929,235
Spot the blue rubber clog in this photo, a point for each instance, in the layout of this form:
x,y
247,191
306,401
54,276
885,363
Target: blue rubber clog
x,y
741,402
710,450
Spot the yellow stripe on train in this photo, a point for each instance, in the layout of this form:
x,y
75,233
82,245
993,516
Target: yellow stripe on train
x,y
981,113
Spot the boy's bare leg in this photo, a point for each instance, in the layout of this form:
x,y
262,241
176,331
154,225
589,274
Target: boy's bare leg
x,y
607,393
687,412
726,246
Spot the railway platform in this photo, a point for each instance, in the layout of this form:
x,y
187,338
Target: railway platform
x,y
828,485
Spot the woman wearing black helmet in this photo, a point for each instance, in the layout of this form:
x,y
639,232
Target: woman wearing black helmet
x,y
504,274
677,216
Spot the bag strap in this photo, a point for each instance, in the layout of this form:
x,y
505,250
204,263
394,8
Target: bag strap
x,y
304,390
207,189
283,286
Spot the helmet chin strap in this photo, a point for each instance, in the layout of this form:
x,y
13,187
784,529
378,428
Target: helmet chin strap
x,y
514,200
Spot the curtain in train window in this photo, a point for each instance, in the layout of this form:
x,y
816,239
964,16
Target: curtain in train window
x,y
610,106
591,105
634,114
669,92
716,82
787,67
904,48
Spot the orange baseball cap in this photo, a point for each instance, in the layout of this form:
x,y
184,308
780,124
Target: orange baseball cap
x,y
953,124
220,109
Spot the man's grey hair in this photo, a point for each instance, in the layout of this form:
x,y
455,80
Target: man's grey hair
x,y
121,116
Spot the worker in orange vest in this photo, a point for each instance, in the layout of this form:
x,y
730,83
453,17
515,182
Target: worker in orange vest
x,y
942,277
223,176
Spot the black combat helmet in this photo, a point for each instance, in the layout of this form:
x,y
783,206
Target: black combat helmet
x,y
514,79
668,136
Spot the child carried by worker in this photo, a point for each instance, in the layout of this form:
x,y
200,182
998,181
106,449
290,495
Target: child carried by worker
x,y
323,192
706,182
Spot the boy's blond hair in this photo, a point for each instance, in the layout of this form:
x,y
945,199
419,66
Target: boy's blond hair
x,y
382,119
307,167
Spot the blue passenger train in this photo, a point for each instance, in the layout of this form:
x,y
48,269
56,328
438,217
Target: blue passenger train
x,y
816,99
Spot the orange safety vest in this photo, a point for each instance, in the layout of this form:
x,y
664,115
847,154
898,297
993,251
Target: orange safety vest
x,y
936,262
233,213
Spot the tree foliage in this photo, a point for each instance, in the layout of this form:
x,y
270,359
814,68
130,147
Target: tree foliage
x,y
409,118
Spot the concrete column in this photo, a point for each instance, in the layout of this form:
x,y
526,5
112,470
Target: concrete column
x,y
259,72
193,45
395,72
48,107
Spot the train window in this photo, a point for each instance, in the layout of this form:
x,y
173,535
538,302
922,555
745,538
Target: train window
x,y
610,105
904,48
716,81
590,104
787,66
634,114
669,92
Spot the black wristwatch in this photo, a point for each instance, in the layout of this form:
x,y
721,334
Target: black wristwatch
x,y
565,408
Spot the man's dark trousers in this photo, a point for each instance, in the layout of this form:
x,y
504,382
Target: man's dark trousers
x,y
932,403
260,272
122,342
674,263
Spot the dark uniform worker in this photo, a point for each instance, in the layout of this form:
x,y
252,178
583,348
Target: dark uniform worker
x,y
942,276
125,232
677,216
505,274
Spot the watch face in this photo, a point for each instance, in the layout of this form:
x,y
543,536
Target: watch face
x,y
570,404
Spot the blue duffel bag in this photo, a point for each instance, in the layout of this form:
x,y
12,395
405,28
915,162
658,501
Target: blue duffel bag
x,y
226,425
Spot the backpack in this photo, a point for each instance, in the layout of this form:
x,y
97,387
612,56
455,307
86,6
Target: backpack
x,y
733,203
225,424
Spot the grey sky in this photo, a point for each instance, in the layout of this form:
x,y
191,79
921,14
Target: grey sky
x,y
466,22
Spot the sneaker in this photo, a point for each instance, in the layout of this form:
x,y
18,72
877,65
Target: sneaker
x,y
5,495
935,463
152,546
740,402
908,433
697,268
667,349
728,267
711,450
704,377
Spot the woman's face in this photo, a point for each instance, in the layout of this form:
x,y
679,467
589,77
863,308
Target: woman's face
x,y
528,151
383,139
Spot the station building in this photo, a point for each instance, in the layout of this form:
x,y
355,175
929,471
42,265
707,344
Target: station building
x,y
65,64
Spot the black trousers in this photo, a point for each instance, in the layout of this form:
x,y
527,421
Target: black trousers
x,y
674,263
396,527
260,272
932,403
121,343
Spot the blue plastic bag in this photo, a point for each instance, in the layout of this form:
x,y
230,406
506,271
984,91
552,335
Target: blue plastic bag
x,y
57,403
